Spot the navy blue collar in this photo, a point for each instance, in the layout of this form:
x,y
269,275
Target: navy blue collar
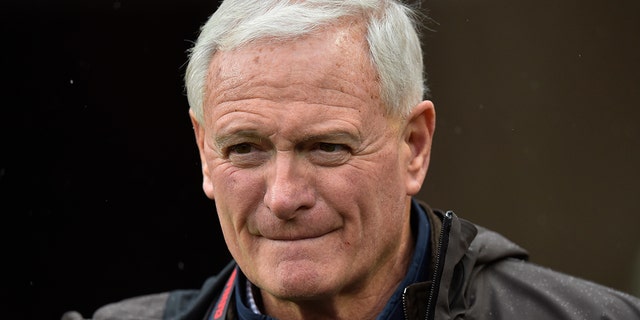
x,y
417,272
419,267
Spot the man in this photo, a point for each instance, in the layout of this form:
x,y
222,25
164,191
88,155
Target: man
x,y
314,138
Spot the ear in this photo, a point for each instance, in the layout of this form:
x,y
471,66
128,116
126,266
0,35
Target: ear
x,y
418,135
199,131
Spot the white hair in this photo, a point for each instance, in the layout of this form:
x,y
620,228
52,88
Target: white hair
x,y
394,45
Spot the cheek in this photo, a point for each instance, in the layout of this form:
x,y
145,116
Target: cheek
x,y
382,174
237,187
238,194
371,186
382,189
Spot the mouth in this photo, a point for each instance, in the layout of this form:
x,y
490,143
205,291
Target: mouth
x,y
296,237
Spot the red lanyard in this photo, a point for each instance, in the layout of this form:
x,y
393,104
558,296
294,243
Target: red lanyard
x,y
220,310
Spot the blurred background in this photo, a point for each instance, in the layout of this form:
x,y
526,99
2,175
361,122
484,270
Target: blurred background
x,y
100,198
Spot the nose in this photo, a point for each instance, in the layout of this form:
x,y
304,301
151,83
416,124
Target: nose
x,y
289,186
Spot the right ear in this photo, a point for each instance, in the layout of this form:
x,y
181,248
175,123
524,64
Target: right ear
x,y
199,132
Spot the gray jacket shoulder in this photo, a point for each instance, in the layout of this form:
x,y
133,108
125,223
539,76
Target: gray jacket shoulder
x,y
512,288
503,286
147,307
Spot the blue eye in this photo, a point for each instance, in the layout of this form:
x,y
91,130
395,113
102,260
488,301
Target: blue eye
x,y
330,147
242,148
329,154
246,155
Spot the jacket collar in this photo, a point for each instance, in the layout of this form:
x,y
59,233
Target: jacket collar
x,y
451,238
463,246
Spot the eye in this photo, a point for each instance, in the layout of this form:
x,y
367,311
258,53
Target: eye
x,y
329,154
330,147
246,155
242,148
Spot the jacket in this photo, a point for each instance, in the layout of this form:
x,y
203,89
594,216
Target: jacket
x,y
475,274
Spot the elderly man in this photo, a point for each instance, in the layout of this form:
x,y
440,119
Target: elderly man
x,y
314,137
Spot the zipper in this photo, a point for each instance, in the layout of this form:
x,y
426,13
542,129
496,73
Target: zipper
x,y
443,243
404,304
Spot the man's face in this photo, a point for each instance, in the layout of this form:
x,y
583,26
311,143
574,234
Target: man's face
x,y
308,175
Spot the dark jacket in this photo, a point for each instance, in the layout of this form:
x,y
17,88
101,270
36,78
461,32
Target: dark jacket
x,y
475,274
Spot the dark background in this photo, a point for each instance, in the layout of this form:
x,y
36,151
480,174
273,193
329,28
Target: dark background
x,y
100,198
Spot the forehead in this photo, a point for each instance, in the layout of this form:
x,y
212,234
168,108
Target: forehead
x,y
331,66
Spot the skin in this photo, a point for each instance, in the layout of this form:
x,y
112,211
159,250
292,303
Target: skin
x,y
312,182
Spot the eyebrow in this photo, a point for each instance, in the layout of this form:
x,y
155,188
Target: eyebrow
x,y
339,136
224,140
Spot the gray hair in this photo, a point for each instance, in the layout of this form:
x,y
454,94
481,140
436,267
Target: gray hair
x,y
394,45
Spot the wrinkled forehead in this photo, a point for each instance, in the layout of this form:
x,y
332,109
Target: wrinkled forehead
x,y
333,58
346,36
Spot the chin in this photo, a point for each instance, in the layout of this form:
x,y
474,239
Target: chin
x,y
300,281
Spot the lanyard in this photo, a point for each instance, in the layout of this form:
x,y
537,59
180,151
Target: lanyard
x,y
220,309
